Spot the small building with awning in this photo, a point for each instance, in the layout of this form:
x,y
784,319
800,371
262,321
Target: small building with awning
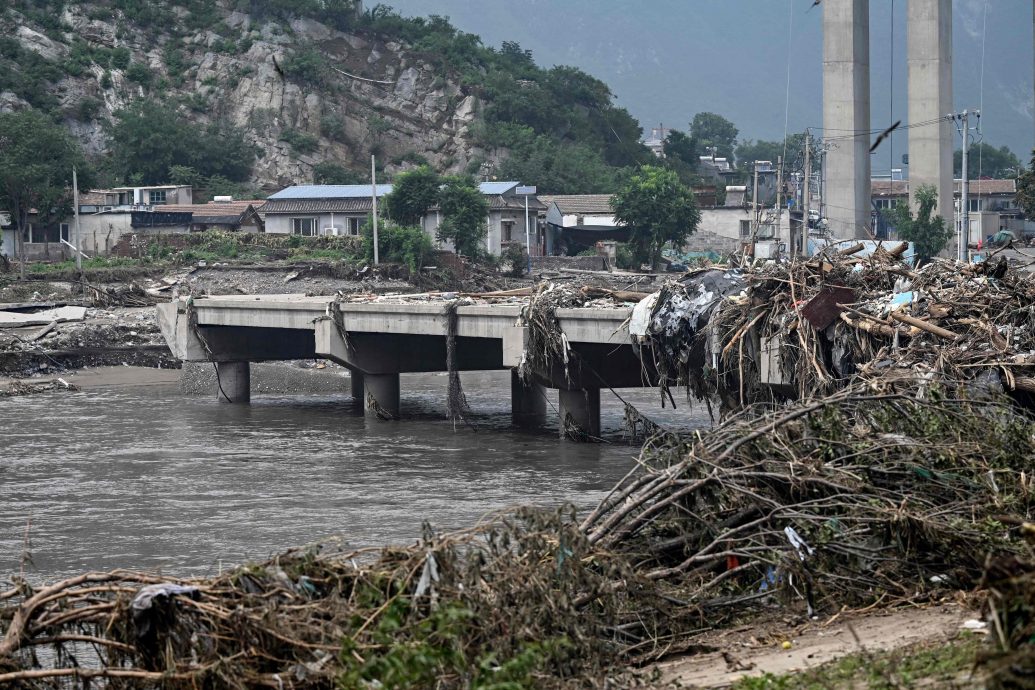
x,y
579,220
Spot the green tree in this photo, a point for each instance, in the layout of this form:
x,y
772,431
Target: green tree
x,y
1026,189
464,210
413,193
928,233
36,160
329,172
997,163
711,130
657,208
681,155
148,138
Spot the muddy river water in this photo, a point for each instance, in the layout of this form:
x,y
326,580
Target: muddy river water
x,y
146,477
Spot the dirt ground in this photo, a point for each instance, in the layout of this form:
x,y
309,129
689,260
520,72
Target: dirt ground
x,y
757,649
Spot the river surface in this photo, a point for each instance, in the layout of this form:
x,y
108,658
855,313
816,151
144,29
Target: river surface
x,y
145,477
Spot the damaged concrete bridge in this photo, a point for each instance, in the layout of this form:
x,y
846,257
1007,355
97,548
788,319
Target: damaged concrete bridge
x,y
378,341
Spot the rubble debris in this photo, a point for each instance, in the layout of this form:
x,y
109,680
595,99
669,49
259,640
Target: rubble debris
x,y
10,319
813,326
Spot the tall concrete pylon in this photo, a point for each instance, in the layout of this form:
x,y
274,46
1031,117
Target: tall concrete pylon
x,y
929,44
846,115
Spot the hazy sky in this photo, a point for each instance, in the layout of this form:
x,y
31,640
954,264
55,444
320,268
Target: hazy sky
x,y
668,59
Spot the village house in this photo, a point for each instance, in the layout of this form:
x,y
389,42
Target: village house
x,y
993,206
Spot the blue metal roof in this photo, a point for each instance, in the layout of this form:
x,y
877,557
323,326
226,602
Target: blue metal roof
x,y
496,187
330,191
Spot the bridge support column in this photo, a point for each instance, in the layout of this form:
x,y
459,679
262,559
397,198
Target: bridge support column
x,y
233,382
527,402
356,380
382,395
580,413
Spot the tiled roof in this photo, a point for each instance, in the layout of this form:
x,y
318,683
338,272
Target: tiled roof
x,y
516,203
94,197
222,208
579,203
316,206
901,187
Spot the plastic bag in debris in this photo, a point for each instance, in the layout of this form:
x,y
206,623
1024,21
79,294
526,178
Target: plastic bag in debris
x,y
681,309
146,596
639,322
153,611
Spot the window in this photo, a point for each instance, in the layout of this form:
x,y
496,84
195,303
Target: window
x,y
64,232
975,204
157,196
508,231
885,204
39,235
303,226
745,228
354,226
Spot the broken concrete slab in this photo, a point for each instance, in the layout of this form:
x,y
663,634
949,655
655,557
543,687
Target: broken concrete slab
x,y
10,319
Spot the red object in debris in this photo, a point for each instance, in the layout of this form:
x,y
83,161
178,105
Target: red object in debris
x,y
732,562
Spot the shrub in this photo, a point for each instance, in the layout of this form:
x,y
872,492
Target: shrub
x,y
140,73
410,246
300,142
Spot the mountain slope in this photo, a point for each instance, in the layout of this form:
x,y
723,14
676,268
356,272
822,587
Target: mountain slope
x,y
304,91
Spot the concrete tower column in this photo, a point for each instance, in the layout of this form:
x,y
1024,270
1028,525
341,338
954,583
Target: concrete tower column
x,y
846,111
929,43
233,382
356,382
527,402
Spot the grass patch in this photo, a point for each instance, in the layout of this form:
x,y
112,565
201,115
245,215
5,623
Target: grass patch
x,y
925,665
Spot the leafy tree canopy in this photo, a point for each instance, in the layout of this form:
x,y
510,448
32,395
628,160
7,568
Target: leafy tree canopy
x,y
464,211
711,130
657,208
148,138
1026,189
36,161
929,233
329,172
413,193
986,160
558,168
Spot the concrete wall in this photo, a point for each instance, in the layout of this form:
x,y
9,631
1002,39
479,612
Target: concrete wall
x,y
494,238
278,223
846,108
726,223
929,39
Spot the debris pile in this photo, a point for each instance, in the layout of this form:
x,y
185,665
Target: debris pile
x,y
1009,658
804,329
857,499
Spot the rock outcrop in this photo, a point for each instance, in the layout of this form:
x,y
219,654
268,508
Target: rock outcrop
x,y
370,96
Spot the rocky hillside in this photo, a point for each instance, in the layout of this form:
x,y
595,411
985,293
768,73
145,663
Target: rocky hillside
x,y
302,89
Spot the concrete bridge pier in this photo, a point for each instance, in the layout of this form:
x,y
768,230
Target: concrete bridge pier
x,y
233,382
527,402
381,395
358,389
581,409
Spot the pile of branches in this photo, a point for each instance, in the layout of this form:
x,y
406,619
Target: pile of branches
x,y
864,497
807,328
1009,658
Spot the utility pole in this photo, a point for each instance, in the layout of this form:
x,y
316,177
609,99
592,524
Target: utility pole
x,y
75,201
964,234
806,195
779,193
373,200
